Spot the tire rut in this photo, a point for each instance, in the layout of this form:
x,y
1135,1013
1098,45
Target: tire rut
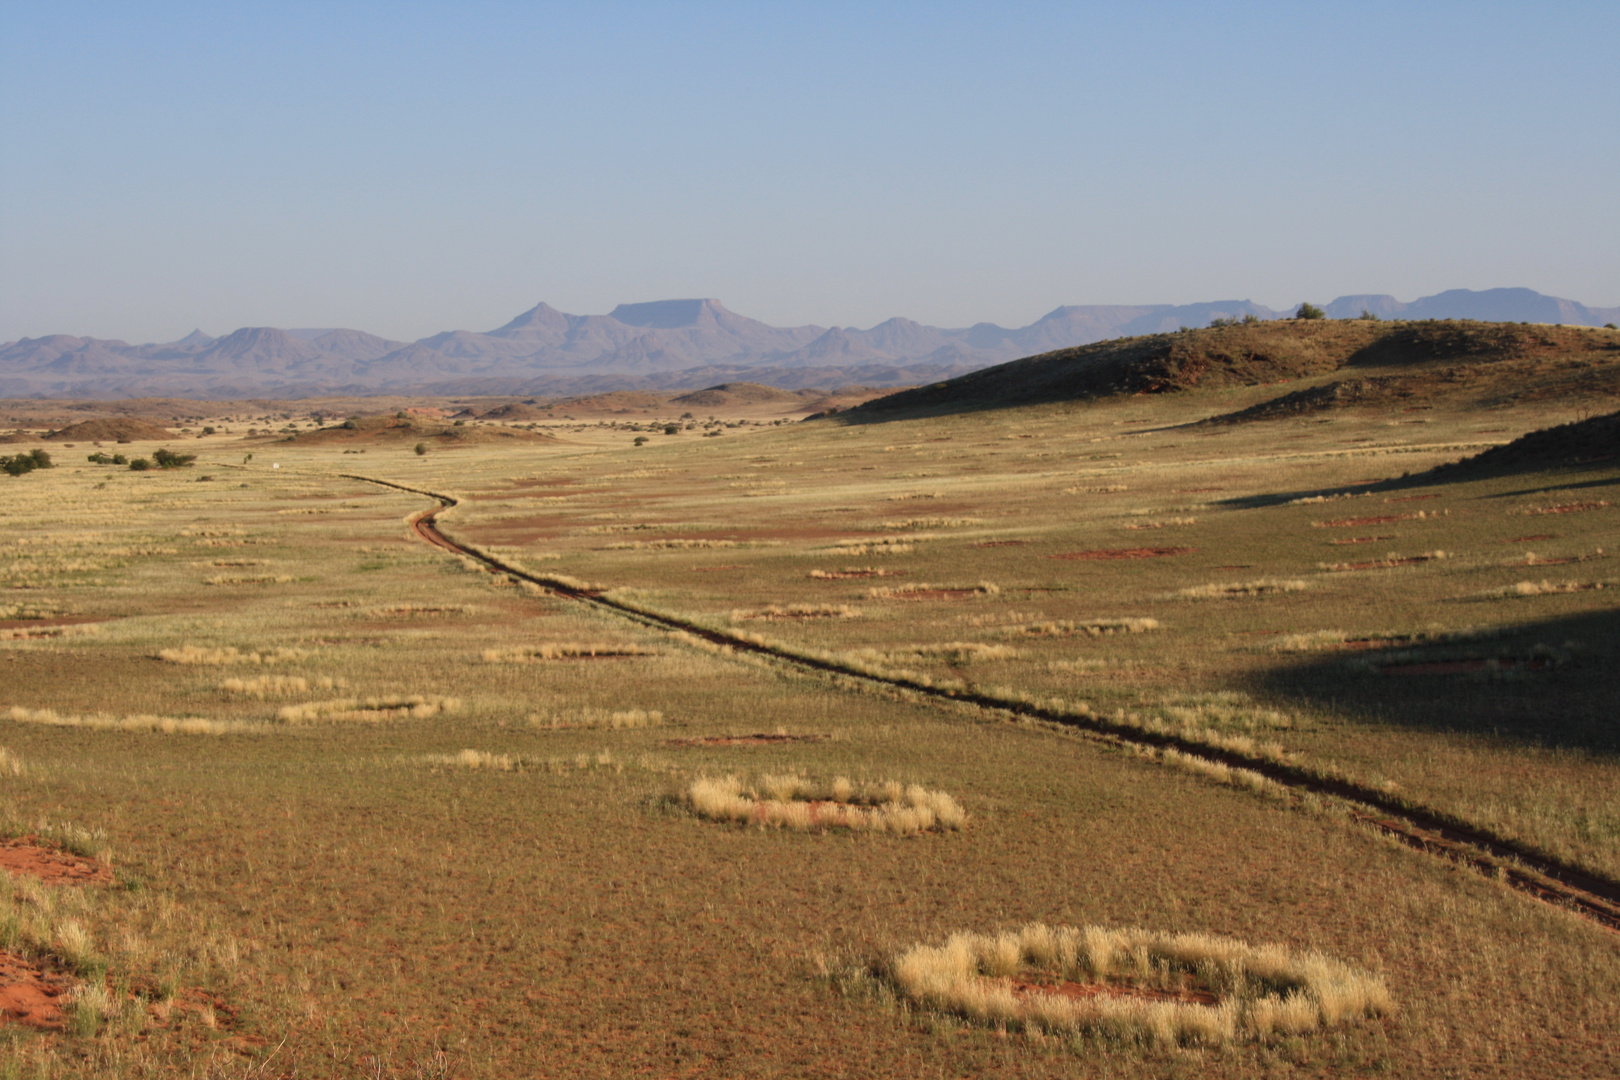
x,y
1517,865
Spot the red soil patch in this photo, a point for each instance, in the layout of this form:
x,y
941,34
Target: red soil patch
x,y
1123,553
1569,508
1190,995
1374,519
25,855
1528,539
712,569
1361,540
758,739
29,994
1412,498
1001,543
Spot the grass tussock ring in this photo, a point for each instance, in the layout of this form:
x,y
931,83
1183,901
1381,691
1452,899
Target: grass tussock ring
x,y
802,805
1136,985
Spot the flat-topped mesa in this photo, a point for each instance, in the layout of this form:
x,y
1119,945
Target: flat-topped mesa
x,y
672,314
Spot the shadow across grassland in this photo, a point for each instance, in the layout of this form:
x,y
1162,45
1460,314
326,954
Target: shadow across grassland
x,y
1549,683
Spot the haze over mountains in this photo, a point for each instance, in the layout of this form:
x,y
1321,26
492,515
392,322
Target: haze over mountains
x,y
664,345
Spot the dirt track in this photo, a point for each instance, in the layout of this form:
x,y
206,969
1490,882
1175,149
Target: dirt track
x,y
1516,865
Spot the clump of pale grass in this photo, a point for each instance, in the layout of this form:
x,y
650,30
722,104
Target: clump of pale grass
x,y
616,719
955,653
420,610
1539,588
168,725
794,802
900,592
1258,587
1163,523
35,633
1389,560
563,650
10,764
1258,991
197,654
475,759
368,710
931,523
774,612
259,579
262,686
1083,627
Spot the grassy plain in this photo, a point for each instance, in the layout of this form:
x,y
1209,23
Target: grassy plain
x,y
309,843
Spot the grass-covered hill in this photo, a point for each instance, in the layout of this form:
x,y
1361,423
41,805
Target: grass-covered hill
x,y
1338,362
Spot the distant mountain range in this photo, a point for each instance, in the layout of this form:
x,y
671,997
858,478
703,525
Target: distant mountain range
x,y
664,345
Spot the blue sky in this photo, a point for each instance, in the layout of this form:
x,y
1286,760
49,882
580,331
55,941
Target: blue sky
x,y
406,168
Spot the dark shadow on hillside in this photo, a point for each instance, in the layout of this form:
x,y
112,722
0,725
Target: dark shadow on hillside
x,y
1558,683
1607,474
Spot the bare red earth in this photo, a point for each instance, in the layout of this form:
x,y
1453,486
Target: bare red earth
x,y
1123,553
29,994
25,855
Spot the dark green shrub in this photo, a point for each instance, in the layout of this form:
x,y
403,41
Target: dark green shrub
x,y
42,460
1310,311
140,464
16,466
421,448
168,459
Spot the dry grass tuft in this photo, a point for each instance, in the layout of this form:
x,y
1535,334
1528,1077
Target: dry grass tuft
x,y
10,764
1540,588
168,725
1258,587
1392,559
773,612
197,654
1136,985
618,719
921,589
262,686
368,710
793,802
563,650
1083,628
410,611
1163,523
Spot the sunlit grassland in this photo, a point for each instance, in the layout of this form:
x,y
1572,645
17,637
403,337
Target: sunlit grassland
x,y
515,879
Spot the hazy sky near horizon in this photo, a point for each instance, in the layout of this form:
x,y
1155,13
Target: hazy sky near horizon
x,y
405,168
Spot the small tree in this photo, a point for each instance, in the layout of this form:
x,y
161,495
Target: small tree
x,y
1369,316
168,459
1310,311
641,440
42,460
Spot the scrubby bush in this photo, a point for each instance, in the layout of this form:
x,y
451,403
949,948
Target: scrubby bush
x,y
168,459
140,464
421,449
1310,311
